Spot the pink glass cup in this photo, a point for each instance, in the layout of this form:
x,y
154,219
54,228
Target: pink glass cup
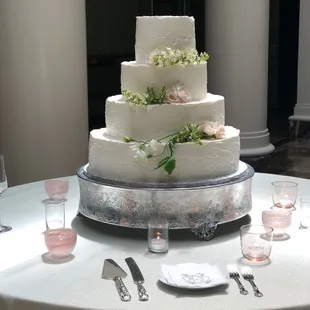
x,y
57,189
256,242
278,219
284,194
60,242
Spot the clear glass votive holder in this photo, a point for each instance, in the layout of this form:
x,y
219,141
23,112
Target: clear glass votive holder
x,y
278,219
304,213
256,242
54,214
158,235
284,194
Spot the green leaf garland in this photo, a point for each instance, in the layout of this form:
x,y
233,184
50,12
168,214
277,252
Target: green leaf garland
x,y
189,133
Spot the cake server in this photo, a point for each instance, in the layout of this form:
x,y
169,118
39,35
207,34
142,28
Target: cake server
x,y
137,278
112,271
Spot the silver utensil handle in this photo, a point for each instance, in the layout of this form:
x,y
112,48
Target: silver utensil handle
x,y
143,295
122,289
242,290
257,293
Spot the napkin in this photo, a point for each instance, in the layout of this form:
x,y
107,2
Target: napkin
x,y
192,276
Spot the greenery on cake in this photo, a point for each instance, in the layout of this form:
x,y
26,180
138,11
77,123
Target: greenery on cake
x,y
173,95
165,146
150,97
175,57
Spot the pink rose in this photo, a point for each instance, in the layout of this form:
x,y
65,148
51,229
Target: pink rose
x,y
220,133
177,94
172,98
209,128
213,129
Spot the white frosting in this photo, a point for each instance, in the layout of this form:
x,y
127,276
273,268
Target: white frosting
x,y
159,32
137,77
157,121
115,159
112,158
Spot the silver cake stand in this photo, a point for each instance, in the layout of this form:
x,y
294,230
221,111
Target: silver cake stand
x,y
200,205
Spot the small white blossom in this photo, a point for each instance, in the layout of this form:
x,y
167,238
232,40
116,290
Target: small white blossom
x,y
153,148
177,94
213,129
139,153
220,133
209,128
172,57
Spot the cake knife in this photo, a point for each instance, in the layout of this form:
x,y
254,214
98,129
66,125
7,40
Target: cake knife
x,y
137,278
112,271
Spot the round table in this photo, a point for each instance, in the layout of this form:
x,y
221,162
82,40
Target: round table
x,y
29,281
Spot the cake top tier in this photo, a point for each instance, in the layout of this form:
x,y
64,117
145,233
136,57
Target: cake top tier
x,y
160,32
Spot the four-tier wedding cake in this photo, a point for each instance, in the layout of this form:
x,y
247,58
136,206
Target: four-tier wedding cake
x,y
165,126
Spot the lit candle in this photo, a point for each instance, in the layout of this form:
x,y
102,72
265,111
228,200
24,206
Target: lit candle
x,y
158,244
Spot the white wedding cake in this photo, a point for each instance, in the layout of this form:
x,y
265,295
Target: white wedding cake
x,y
165,126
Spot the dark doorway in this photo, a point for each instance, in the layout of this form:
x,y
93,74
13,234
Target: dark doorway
x,y
111,39
283,65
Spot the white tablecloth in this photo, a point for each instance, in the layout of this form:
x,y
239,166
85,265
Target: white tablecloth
x,y
27,281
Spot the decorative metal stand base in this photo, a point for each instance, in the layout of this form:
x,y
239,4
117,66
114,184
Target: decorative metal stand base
x,y
200,206
206,231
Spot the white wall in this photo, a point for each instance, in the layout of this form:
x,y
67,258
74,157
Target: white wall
x,y
43,88
302,107
237,41
304,53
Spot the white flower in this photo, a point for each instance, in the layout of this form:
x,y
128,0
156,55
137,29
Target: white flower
x,y
139,153
177,94
220,133
213,129
209,128
153,148
171,57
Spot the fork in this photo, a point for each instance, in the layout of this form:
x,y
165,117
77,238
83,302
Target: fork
x,y
248,276
234,274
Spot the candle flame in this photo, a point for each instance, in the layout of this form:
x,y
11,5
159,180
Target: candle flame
x,y
158,234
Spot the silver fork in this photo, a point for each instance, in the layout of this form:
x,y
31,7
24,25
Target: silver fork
x,y
248,276
234,274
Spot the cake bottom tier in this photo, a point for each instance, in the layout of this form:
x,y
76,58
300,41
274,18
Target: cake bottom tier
x,y
114,159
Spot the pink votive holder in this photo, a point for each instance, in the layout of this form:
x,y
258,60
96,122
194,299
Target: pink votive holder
x,y
256,242
284,194
279,220
60,242
57,189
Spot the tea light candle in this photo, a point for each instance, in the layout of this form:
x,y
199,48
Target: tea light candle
x,y
284,194
158,241
158,244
